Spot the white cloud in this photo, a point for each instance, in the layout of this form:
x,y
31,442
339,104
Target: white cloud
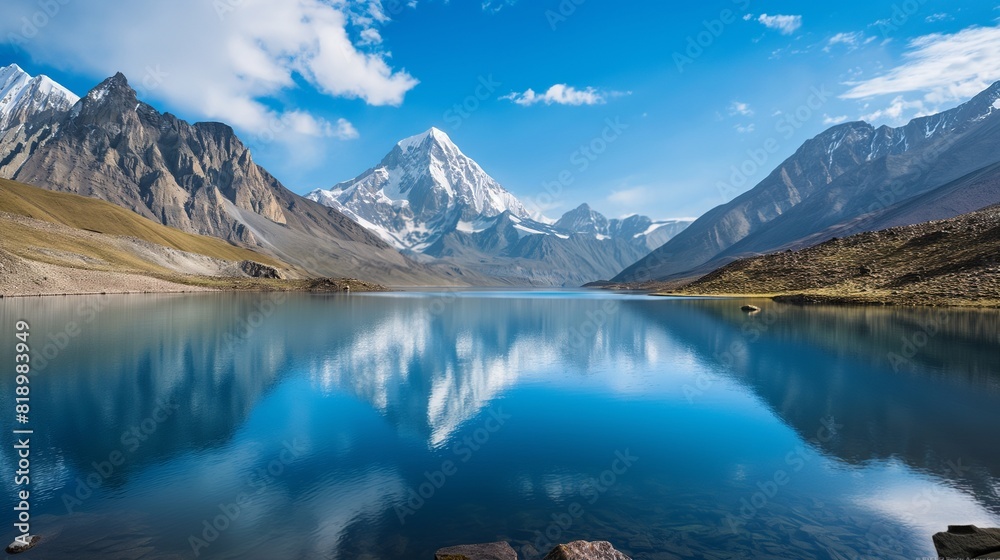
x,y
745,129
937,70
344,130
229,60
898,111
740,108
562,94
785,24
828,120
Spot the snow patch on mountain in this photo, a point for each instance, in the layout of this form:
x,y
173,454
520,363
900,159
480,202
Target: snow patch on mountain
x,y
23,95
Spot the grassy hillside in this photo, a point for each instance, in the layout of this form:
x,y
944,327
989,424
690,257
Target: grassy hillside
x,y
64,247
98,216
945,262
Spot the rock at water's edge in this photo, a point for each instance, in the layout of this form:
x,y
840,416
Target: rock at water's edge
x,y
584,550
750,308
19,546
487,551
968,541
257,270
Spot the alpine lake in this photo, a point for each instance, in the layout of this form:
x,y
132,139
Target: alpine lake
x,y
386,426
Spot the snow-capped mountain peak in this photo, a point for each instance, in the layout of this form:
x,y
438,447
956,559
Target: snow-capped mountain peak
x,y
423,188
23,95
433,135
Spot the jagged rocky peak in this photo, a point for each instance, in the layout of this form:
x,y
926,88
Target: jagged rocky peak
x,y
112,90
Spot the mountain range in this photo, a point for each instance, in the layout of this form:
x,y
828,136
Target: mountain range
x,y
427,198
426,215
851,178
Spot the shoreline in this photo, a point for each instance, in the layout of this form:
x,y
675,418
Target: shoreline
x,y
807,298
348,285
227,285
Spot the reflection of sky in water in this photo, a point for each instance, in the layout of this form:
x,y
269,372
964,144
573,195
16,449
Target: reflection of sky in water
x,y
378,392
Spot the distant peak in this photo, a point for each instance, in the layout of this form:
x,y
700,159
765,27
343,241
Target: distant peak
x,y
14,81
583,208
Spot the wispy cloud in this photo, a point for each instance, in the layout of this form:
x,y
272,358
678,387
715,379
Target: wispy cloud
x,y
630,197
851,41
937,69
562,94
494,6
938,17
740,108
898,111
784,24
828,120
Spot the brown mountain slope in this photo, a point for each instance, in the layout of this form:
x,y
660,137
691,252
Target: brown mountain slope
x,y
946,262
94,215
60,243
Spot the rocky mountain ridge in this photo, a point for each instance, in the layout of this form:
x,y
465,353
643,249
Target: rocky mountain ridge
x,y
852,177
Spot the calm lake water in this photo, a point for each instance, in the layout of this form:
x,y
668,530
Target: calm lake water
x,y
385,426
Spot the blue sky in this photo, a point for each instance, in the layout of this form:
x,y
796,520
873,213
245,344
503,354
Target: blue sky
x,y
639,107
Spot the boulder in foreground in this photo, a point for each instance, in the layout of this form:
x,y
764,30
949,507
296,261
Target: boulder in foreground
x,y
19,545
487,551
585,550
968,541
